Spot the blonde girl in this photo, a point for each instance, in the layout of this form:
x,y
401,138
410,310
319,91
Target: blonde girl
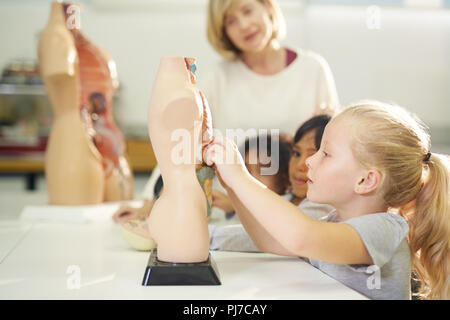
x,y
415,184
391,195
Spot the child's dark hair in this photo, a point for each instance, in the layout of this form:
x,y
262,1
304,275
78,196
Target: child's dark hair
x,y
285,149
318,123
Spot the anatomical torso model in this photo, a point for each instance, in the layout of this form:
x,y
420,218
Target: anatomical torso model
x,y
98,78
179,124
73,165
88,88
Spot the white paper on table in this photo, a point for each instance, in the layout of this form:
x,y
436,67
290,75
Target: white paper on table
x,y
74,214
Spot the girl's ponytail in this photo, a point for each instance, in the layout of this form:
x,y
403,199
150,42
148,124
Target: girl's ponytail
x,y
429,221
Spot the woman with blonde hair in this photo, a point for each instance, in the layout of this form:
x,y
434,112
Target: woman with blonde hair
x,y
259,83
391,195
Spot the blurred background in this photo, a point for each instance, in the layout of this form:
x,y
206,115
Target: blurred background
x,y
392,50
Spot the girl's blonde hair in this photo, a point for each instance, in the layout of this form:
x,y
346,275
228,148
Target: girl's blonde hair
x,y
415,182
217,36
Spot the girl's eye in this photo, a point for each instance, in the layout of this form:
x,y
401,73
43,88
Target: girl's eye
x,y
229,21
325,154
296,154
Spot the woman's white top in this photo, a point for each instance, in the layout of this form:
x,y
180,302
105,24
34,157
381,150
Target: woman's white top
x,y
240,98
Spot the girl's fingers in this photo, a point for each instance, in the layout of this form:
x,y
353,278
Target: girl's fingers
x,y
215,194
124,213
213,153
208,155
218,197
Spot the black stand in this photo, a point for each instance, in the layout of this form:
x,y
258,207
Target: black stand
x,y
160,273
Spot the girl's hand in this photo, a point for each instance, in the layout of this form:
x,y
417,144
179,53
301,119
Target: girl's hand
x,y
224,156
222,201
125,212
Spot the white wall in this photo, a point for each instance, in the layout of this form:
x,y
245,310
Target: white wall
x,y
406,61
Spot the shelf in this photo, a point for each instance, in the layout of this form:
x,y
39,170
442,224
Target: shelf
x,y
141,156
32,89
22,89
139,153
26,164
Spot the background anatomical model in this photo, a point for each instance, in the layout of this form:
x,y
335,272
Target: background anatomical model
x,y
85,158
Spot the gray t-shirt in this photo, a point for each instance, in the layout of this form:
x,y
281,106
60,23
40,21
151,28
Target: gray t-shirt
x,y
311,209
384,235
235,238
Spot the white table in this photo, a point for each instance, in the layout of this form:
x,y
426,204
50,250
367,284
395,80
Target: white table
x,y
46,260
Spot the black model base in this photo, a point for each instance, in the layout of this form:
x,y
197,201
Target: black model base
x,y
160,273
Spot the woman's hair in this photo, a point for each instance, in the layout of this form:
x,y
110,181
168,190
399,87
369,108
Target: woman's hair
x,y
284,143
317,123
414,181
217,36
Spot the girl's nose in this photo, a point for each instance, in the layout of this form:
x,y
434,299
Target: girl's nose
x,y
301,165
243,23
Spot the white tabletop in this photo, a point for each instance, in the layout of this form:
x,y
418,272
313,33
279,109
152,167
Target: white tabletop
x,y
47,260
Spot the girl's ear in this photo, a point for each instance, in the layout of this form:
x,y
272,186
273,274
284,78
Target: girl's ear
x,y
368,182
